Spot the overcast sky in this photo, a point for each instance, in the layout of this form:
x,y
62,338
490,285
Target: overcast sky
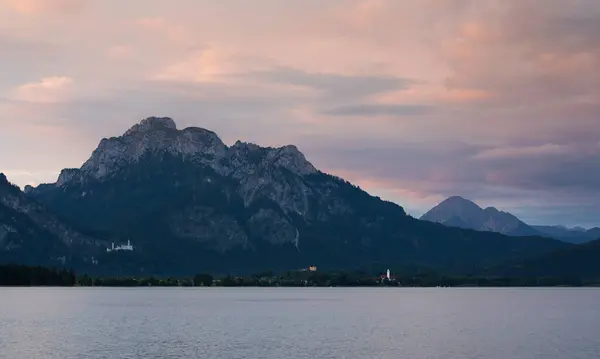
x,y
413,100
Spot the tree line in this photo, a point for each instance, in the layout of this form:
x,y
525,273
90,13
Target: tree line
x,y
19,275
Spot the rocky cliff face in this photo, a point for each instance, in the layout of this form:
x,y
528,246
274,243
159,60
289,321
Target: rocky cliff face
x,y
459,212
159,136
256,168
188,202
264,187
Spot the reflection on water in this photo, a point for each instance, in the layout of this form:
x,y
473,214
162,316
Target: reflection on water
x,y
299,323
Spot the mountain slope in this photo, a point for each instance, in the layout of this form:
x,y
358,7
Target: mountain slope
x,y
459,212
594,232
571,235
30,234
188,202
581,261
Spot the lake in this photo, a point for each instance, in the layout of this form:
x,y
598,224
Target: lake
x,y
289,323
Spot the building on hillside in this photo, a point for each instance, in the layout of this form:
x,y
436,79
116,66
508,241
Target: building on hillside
x,y
309,269
122,247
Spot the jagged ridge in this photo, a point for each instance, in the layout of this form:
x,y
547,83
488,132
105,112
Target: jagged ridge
x,y
160,135
189,203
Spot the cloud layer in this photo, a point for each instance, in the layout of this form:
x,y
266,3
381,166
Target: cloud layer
x,y
415,100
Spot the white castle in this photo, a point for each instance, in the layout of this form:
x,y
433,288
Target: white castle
x,y
122,247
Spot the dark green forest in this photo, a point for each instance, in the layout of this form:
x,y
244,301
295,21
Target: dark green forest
x,y
18,275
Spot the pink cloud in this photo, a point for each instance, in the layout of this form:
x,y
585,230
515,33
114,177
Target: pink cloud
x,y
179,34
512,77
207,65
121,52
46,6
548,149
465,95
409,194
48,89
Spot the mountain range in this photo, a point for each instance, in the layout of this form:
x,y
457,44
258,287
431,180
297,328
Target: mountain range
x,y
30,234
190,203
572,235
463,213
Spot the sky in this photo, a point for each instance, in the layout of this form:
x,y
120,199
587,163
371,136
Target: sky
x,y
497,101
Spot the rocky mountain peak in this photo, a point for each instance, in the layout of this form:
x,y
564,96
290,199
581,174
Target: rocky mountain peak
x,y
202,137
492,210
159,136
458,200
6,186
460,212
152,124
153,135
291,158
458,206
240,146
66,176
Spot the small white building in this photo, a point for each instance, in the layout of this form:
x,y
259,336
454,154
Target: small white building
x,y
122,247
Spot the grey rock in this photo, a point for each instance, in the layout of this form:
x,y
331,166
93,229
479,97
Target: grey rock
x,y
259,171
152,124
160,135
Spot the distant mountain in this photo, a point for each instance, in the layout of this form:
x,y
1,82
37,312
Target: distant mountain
x,y
460,212
581,261
463,213
594,232
31,234
571,235
190,203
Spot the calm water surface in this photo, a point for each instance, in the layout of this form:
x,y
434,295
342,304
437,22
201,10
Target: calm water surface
x,y
294,323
